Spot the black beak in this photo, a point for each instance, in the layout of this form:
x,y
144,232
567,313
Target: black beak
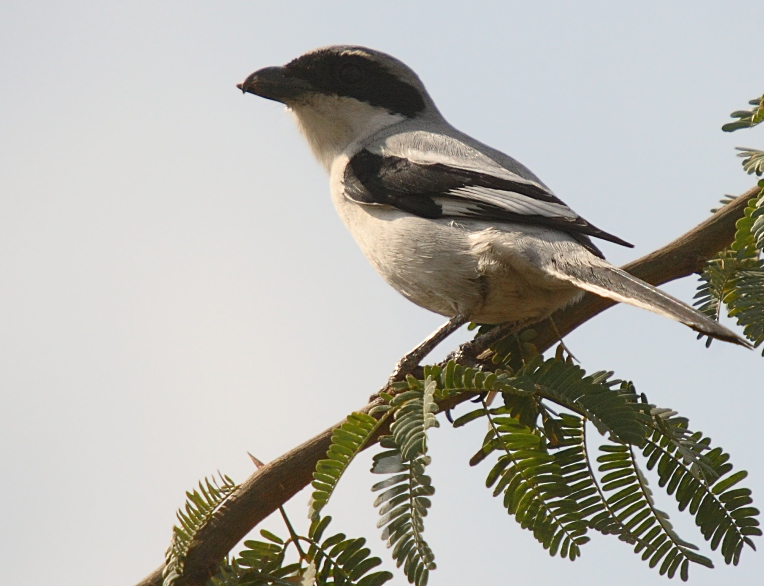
x,y
275,83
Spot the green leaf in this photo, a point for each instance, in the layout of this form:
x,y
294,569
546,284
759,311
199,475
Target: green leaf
x,y
722,513
334,560
747,305
347,441
747,118
199,508
538,488
610,404
648,527
753,160
403,497
735,277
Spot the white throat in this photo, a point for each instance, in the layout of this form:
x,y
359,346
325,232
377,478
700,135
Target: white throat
x,y
331,124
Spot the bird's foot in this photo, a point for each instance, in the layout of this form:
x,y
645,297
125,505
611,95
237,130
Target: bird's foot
x,y
410,361
470,352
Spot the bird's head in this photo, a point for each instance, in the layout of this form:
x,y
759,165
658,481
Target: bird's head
x,y
343,94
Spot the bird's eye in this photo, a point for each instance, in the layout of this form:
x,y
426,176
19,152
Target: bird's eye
x,y
350,73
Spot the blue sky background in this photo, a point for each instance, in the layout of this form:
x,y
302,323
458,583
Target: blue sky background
x,y
176,289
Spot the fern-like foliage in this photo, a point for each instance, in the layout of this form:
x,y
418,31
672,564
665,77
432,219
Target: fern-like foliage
x,y
607,402
571,453
332,561
536,488
632,501
544,472
610,404
717,282
747,305
339,560
263,562
688,446
748,229
199,508
757,216
404,496
721,511
747,118
753,160
735,276
700,480
347,441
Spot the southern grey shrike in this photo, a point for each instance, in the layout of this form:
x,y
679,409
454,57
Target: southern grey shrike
x,y
454,225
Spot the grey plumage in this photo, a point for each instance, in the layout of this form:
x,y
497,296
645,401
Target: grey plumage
x,y
618,285
454,225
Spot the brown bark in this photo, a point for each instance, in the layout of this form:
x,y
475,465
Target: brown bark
x,y
279,480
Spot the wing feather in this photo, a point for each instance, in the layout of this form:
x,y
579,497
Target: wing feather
x,y
439,189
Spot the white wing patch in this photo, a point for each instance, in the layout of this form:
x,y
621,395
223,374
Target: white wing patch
x,y
515,203
455,154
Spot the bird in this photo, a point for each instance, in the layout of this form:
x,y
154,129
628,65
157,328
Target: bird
x,y
454,225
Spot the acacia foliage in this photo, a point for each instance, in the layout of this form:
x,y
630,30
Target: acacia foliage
x,y
554,474
734,278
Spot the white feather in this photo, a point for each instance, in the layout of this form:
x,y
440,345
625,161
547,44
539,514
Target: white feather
x,y
515,202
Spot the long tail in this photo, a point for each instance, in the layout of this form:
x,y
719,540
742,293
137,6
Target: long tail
x,y
608,281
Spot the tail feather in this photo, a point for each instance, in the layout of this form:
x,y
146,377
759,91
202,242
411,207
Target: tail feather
x,y
613,283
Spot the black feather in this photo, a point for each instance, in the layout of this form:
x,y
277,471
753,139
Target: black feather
x,y
418,188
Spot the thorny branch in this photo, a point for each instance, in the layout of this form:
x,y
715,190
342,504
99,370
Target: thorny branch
x,y
278,481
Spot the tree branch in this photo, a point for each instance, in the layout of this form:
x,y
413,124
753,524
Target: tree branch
x,y
278,481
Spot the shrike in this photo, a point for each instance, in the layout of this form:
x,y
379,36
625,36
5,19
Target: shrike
x,y
454,225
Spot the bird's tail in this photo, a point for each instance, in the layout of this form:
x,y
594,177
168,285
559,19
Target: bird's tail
x,y
608,281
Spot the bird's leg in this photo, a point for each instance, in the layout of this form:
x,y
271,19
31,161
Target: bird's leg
x,y
408,363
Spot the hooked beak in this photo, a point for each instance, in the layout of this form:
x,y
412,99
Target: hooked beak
x,y
275,83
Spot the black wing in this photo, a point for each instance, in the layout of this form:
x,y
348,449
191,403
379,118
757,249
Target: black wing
x,y
438,190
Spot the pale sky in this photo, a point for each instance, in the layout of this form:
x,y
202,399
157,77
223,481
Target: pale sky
x,y
177,289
